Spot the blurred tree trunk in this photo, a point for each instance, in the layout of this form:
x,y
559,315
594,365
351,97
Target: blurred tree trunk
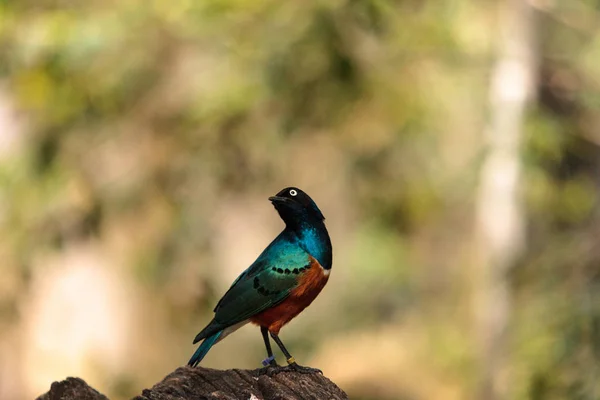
x,y
499,223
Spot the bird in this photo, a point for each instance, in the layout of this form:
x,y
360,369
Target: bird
x,y
285,278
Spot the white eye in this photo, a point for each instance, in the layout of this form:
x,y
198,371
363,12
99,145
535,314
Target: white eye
x,y
293,192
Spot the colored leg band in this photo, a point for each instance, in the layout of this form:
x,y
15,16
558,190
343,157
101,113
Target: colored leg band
x,y
291,360
267,361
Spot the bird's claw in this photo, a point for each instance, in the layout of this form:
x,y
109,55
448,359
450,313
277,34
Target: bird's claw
x,y
274,369
270,367
271,370
302,369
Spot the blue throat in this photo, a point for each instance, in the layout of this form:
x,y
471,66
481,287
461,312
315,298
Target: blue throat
x,y
313,237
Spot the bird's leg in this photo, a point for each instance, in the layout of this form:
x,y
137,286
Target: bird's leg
x,y
271,367
292,365
270,360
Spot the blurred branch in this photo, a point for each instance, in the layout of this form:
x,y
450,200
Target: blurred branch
x,y
499,213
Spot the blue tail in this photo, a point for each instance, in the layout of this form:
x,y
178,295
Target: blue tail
x,y
204,348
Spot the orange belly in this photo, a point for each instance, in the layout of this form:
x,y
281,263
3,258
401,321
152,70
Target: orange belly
x,y
310,285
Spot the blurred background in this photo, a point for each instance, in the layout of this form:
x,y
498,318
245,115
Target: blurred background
x,y
454,147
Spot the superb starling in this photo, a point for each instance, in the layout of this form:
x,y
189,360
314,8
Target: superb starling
x,y
285,278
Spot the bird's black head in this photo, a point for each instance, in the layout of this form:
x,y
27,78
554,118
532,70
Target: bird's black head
x,y
294,206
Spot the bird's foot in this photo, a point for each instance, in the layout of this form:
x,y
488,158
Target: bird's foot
x,y
271,370
293,366
270,367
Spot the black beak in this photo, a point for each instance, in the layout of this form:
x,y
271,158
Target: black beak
x,y
278,200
